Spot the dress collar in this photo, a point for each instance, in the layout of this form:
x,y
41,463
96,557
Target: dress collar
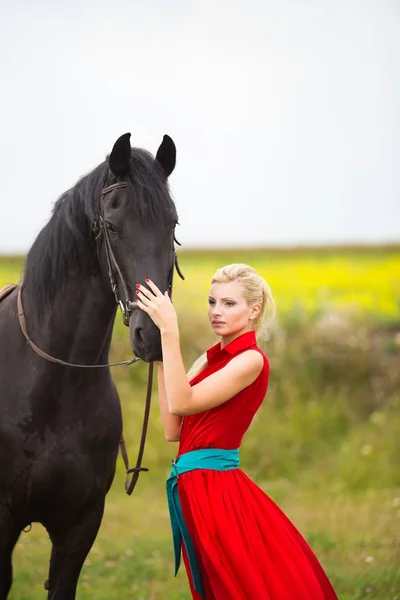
x,y
246,340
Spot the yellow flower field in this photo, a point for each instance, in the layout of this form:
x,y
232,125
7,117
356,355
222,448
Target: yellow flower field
x,y
365,280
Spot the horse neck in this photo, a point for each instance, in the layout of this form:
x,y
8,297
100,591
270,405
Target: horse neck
x,y
78,326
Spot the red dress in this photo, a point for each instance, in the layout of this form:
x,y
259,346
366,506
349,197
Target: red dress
x,y
247,548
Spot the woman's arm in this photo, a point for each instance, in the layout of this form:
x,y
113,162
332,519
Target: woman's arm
x,y
182,399
171,423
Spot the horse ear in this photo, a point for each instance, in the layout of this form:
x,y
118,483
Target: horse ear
x,y
166,155
120,156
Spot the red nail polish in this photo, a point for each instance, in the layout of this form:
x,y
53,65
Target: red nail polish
x,y
137,291
136,300
147,280
138,285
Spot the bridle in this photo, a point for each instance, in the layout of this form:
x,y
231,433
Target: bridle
x,y
104,228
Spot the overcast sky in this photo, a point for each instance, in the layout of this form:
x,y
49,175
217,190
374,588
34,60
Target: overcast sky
x,y
285,113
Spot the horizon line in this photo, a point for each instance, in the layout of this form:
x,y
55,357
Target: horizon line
x,y
349,246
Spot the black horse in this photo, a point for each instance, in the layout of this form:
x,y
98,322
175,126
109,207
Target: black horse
x,y
60,426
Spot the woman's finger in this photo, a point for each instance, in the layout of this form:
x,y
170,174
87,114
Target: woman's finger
x,y
144,299
141,305
145,292
153,287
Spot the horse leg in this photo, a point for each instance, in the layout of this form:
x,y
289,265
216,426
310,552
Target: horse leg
x,y
69,552
8,538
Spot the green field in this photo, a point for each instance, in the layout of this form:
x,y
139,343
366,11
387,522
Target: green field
x,y
325,445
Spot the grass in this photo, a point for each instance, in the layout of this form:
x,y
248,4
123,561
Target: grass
x,y
355,539
325,445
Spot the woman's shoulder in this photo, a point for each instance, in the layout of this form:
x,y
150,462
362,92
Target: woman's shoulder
x,y
261,381
265,357
263,375
257,349
250,360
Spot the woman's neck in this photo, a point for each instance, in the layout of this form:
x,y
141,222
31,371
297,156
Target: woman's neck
x,y
227,339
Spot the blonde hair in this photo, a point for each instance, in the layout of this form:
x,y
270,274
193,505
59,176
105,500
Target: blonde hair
x,y
255,291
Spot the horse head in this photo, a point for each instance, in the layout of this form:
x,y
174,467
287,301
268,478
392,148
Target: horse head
x,y
135,227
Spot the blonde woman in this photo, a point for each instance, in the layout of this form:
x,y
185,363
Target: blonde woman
x,y
237,543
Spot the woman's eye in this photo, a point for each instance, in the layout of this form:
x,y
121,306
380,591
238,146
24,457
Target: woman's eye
x,y
229,303
211,302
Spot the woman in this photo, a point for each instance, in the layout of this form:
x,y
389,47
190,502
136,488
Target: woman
x,y
238,545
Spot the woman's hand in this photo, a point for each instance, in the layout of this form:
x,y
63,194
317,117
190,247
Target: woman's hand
x,y
157,305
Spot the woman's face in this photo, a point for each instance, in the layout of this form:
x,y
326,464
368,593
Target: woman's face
x,y
228,310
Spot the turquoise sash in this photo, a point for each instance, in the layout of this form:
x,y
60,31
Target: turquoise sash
x,y
209,458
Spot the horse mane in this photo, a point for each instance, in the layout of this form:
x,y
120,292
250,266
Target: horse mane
x,y
66,243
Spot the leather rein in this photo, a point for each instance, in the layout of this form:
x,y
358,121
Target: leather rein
x,y
115,276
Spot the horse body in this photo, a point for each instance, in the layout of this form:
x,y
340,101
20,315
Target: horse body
x,y
60,426
58,443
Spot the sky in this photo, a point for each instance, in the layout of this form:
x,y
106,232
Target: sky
x,y
285,113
